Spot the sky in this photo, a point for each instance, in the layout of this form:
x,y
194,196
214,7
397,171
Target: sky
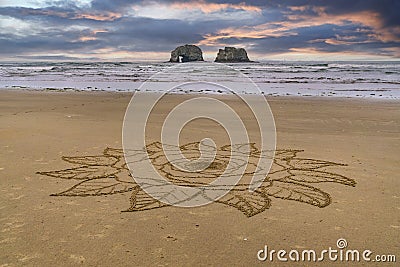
x,y
124,30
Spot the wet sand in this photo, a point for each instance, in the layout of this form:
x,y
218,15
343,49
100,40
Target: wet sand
x,y
38,128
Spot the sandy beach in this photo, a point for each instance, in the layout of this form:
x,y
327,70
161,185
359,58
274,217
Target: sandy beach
x,y
38,128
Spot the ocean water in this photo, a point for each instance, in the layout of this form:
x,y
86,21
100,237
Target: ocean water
x,y
326,79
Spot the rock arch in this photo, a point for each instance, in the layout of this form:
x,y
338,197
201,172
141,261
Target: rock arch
x,y
186,53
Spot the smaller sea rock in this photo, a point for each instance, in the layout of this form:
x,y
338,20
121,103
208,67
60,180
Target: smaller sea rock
x,y
232,54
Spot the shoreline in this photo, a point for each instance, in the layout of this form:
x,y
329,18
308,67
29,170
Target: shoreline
x,y
270,96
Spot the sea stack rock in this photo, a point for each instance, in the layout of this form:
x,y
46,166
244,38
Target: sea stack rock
x,y
186,53
232,54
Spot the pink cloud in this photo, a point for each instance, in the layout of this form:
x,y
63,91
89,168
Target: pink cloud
x,y
286,28
92,35
212,7
367,18
107,16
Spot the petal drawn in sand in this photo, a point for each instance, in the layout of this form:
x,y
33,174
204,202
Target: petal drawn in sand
x,y
250,203
97,187
141,201
83,173
318,177
298,192
311,164
92,160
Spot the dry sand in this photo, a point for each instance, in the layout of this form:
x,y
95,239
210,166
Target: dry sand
x,y
38,128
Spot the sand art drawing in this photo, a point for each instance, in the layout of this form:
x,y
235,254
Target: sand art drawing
x,y
290,178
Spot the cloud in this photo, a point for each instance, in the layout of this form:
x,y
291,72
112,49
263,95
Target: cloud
x,y
105,29
56,12
305,25
208,7
368,18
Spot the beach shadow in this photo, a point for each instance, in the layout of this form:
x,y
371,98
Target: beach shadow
x,y
291,177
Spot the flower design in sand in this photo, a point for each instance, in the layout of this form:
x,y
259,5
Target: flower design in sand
x,y
291,177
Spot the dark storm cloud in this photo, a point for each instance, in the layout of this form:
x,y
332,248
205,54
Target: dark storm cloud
x,y
265,27
388,9
129,34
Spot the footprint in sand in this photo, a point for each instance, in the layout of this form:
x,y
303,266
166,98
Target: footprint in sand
x,y
77,258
